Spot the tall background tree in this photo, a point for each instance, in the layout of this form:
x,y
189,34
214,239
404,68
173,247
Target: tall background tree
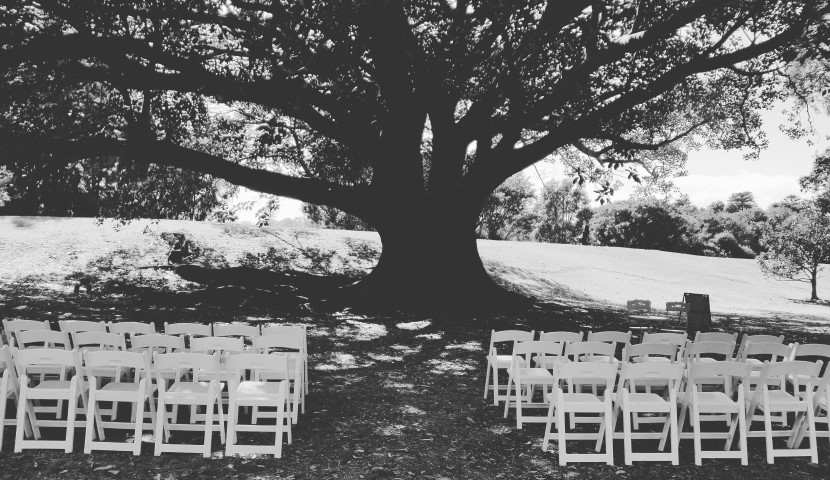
x,y
406,114
559,212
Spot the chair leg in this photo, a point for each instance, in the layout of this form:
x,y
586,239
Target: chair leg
x,y
208,427
161,418
518,405
21,419
675,436
742,426
496,386
90,415
560,431
221,414
280,421
609,430
139,424
487,381
768,432
507,396
230,441
811,424
627,434
548,425
72,411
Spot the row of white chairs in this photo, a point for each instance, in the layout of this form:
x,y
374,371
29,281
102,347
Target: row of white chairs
x,y
79,338
183,378
535,364
615,343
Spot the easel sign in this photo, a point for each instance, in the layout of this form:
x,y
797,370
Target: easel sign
x,y
700,315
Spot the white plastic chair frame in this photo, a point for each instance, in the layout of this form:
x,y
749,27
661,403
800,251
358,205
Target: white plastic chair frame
x,y
292,346
524,378
11,327
747,339
650,352
562,403
291,330
257,393
73,326
619,339
716,337
188,330
193,393
704,352
32,339
137,392
496,361
821,394
708,397
9,389
676,339
113,342
629,402
779,400
70,390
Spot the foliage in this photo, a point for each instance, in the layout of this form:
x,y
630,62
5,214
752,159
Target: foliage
x,y
740,201
330,217
796,246
558,212
643,223
726,245
508,213
818,181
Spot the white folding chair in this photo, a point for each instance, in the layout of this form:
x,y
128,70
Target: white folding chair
x,y
158,343
291,331
39,339
563,338
257,393
137,391
496,361
70,390
292,346
771,400
188,330
747,339
74,326
562,403
11,327
524,378
193,393
708,396
676,339
650,352
821,394
619,339
9,390
630,402
708,351
102,341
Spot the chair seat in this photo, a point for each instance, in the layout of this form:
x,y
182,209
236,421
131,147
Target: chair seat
x,y
120,387
191,389
713,398
598,359
53,385
577,398
646,398
534,375
655,360
778,399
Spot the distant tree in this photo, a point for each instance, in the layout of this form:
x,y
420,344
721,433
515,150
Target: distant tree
x,y
508,214
643,223
797,246
740,201
5,180
330,217
818,181
557,212
792,203
717,206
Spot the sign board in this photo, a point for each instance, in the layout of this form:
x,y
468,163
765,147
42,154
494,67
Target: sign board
x,y
699,316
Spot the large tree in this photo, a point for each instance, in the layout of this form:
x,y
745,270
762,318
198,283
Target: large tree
x,y
405,113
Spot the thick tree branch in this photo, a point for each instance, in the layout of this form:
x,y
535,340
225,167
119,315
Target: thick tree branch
x,y
350,199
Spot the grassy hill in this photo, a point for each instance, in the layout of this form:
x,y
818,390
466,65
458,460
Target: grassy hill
x,y
50,252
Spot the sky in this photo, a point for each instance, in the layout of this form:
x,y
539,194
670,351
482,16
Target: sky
x,y
713,174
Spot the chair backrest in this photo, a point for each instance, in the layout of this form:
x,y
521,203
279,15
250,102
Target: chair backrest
x,y
182,362
217,345
697,350
632,373
99,341
638,305
27,339
595,351
72,326
757,339
724,375
588,372
775,352
644,351
157,343
527,349
513,336
235,330
776,374
265,343
11,327
24,359
677,339
132,327
818,350
561,337
190,329
120,360
275,365
615,337
716,337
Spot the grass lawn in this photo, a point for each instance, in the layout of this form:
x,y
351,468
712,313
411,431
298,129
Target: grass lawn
x,y
392,395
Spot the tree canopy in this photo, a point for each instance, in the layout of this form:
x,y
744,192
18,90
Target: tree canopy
x,y
404,113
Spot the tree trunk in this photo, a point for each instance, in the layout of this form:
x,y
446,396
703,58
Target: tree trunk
x,y
430,261
814,296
